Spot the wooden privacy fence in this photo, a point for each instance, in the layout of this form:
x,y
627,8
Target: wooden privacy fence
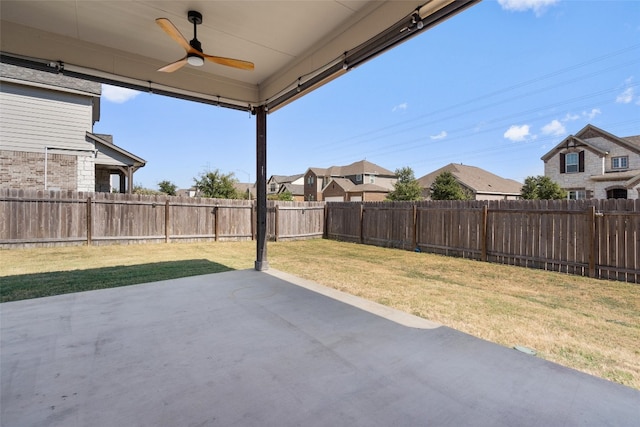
x,y
596,238
45,218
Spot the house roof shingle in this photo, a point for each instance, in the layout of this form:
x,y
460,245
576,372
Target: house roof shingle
x,y
474,178
349,187
296,190
30,77
362,167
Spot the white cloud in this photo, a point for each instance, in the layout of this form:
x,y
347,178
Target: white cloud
x,y
570,117
441,135
117,94
518,133
538,6
400,107
625,97
554,128
591,114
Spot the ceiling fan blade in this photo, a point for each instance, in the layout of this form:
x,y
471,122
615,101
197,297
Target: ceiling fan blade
x,y
174,66
230,62
173,32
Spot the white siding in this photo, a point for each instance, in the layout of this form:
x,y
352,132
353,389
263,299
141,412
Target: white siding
x,y
32,118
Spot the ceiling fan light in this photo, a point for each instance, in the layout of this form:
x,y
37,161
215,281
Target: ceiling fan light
x,y
195,60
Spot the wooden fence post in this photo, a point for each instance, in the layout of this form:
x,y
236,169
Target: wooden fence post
x,y
414,243
216,210
325,232
276,219
361,223
591,223
483,232
166,221
89,222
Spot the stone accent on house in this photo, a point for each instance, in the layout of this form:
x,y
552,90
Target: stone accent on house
x,y
86,173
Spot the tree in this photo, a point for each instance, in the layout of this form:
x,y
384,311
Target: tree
x,y
139,189
542,187
217,185
406,187
285,196
167,187
445,187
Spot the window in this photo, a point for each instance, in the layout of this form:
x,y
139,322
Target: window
x,y
621,162
576,194
571,162
358,178
273,187
372,179
617,193
310,179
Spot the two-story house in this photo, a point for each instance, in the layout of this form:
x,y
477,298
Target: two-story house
x,y
369,182
46,135
478,183
596,164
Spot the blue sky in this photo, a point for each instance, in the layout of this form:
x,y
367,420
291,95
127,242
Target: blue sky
x,y
497,86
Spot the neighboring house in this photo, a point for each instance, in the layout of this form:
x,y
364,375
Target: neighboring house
x,y
187,192
46,135
276,181
479,183
297,191
596,164
370,182
246,190
344,190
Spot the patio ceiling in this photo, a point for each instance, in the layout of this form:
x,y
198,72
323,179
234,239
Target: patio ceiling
x,y
296,46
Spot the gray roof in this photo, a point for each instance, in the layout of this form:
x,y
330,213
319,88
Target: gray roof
x,y
348,186
474,178
633,140
243,187
100,140
362,167
28,75
283,179
296,190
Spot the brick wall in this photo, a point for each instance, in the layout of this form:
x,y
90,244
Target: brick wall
x,y
103,181
25,170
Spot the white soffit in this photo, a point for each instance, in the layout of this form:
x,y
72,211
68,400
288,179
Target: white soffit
x,y
290,42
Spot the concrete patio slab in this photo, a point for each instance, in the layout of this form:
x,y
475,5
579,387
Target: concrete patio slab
x,y
248,348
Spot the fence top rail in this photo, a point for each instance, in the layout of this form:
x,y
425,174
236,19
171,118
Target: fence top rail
x,y
300,208
43,200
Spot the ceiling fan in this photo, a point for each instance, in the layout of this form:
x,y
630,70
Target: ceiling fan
x,y
195,56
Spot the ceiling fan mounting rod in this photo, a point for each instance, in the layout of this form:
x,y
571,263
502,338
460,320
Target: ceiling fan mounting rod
x,y
196,19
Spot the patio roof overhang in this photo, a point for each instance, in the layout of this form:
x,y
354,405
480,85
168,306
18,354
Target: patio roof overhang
x,y
295,46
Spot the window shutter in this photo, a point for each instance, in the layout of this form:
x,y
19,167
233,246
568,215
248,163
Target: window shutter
x,y
581,161
562,163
